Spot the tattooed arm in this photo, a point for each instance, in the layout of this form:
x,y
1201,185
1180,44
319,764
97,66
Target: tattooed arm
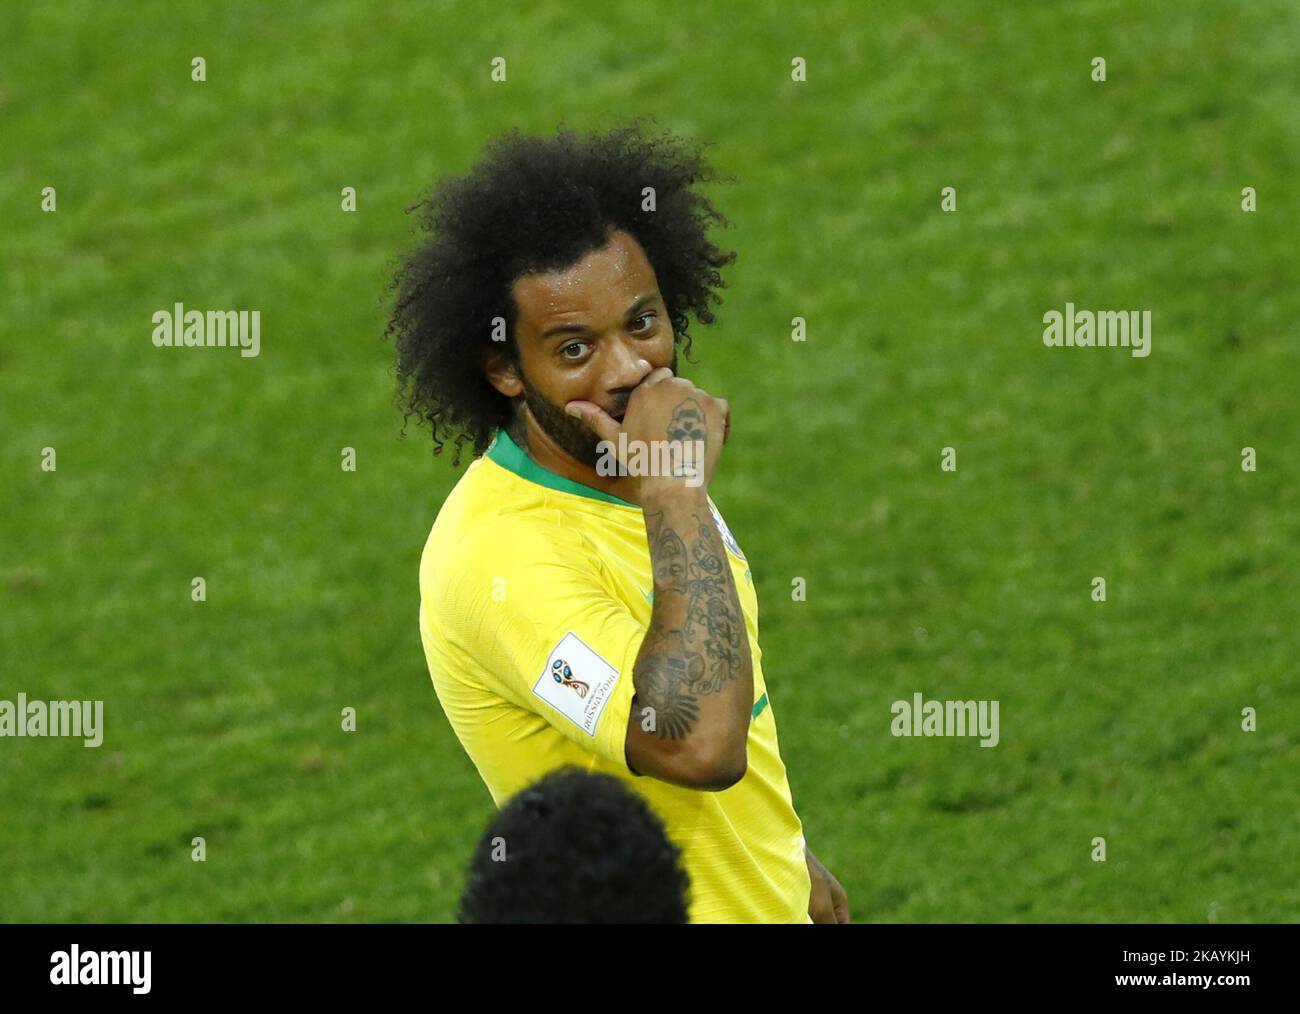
x,y
693,678
694,675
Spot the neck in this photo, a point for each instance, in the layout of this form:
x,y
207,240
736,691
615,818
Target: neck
x,y
538,445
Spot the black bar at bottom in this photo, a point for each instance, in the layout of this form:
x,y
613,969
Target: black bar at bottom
x,y
441,962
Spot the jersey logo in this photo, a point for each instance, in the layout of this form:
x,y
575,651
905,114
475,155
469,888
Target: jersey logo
x,y
577,683
724,531
563,675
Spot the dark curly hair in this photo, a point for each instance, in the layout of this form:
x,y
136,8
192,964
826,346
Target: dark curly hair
x,y
537,205
579,847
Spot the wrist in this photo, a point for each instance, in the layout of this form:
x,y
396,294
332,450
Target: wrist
x,y
659,491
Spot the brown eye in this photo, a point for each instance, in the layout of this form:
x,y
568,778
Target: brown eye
x,y
644,316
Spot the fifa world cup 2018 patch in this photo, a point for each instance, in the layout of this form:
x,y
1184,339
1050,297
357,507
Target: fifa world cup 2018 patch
x,y
577,683
724,531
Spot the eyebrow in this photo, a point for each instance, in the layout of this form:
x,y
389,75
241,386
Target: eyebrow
x,y
561,329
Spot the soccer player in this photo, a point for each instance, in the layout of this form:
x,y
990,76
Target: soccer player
x,y
569,615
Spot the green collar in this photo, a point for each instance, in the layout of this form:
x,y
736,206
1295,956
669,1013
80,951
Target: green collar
x,y
509,455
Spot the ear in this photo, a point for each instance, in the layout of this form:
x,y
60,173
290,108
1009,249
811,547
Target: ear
x,y
503,375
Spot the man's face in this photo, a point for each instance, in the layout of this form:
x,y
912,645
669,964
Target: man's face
x,y
591,332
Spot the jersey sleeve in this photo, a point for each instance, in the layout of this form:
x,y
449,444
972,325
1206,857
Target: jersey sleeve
x,y
534,609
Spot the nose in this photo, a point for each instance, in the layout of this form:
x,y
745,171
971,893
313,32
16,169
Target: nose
x,y
626,366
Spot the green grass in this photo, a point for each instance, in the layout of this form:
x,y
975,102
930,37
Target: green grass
x,y
1119,719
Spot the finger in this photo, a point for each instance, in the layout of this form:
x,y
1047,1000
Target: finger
x,y
656,376
596,418
840,902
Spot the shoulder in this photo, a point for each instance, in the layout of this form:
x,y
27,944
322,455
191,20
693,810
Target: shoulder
x,y
477,539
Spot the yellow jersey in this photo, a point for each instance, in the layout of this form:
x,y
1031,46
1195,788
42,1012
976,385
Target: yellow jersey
x,y
535,594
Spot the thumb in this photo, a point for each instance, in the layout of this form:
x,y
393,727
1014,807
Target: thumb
x,y
597,419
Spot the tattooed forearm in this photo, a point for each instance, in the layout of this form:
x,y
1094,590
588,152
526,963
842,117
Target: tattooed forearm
x,y
713,618
696,646
664,680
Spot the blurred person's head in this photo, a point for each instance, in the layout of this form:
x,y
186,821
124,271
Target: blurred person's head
x,y
575,847
557,269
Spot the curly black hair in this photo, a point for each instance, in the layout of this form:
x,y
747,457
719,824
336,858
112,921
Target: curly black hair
x,y
536,205
576,847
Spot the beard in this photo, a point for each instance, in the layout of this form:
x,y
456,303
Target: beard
x,y
571,435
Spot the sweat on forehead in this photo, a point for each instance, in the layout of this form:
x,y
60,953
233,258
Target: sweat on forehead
x,y
597,291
